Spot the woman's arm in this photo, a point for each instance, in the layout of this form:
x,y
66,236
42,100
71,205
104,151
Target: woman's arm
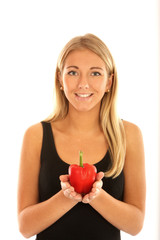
x,y
128,215
34,217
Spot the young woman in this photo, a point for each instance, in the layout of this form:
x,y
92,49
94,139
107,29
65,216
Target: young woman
x,y
84,118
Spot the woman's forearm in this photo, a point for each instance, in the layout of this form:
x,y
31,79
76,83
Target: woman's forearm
x,y
34,219
123,216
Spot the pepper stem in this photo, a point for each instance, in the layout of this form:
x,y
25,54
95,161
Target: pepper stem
x,y
81,158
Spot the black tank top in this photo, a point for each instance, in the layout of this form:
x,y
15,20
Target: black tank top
x,y
82,222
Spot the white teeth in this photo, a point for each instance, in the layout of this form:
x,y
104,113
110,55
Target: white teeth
x,y
84,95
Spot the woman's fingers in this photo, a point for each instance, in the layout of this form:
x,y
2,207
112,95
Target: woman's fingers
x,y
99,176
90,196
65,185
86,199
97,184
68,190
64,178
72,195
95,189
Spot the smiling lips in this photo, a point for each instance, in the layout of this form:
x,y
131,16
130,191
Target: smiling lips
x,y
83,95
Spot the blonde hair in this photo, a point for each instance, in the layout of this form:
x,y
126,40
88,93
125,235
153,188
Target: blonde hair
x,y
111,124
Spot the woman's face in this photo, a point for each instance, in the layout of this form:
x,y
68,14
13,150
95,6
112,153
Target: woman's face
x,y
84,79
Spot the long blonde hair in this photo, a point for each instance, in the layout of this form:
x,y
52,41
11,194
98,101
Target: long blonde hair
x,y
110,122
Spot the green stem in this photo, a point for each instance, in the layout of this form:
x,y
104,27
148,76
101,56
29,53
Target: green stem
x,y
81,158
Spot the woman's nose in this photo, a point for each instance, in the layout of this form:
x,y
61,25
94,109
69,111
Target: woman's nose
x,y
83,82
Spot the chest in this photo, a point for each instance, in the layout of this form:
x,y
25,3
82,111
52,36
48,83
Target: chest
x,y
52,167
68,147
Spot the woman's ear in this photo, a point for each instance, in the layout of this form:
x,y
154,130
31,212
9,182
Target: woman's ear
x,y
60,78
109,83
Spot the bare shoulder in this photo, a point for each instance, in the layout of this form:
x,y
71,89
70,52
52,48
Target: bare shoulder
x,y
133,133
33,136
134,145
131,127
34,130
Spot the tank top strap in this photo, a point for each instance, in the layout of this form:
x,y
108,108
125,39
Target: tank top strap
x,y
47,132
47,142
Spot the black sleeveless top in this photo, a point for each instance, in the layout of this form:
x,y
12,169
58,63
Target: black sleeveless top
x,y
82,222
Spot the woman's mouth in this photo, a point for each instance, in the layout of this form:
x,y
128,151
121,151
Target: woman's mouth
x,y
83,96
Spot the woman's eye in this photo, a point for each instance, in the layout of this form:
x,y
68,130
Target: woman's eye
x,y
72,73
95,74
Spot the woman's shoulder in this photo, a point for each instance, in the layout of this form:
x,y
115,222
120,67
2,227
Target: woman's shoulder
x,y
34,129
133,133
33,134
131,127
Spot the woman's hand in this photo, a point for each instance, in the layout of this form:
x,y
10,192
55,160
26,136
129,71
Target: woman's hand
x,y
97,185
68,190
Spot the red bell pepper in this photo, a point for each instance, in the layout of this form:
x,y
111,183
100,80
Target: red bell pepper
x,y
82,177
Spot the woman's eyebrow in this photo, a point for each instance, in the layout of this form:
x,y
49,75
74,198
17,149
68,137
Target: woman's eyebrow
x,y
90,68
96,68
73,67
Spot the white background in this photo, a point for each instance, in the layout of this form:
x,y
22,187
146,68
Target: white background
x,y
32,33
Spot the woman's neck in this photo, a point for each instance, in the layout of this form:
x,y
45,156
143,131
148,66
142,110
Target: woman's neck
x,y
83,123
